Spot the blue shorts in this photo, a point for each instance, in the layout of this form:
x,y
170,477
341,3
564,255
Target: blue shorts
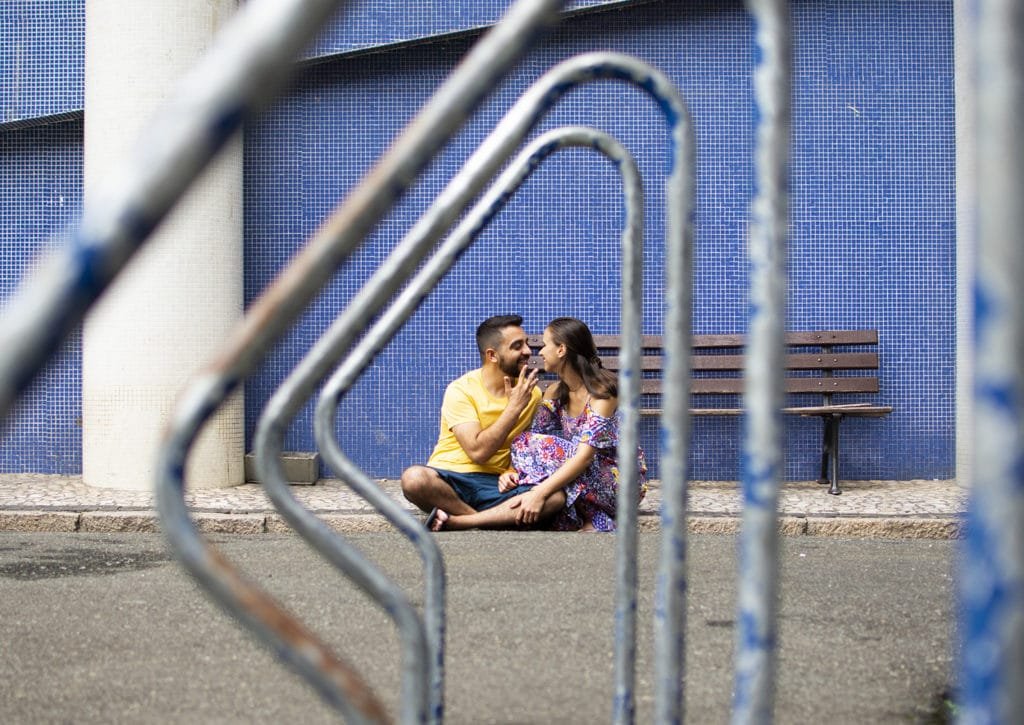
x,y
479,490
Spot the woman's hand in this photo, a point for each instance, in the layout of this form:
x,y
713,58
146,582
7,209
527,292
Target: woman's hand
x,y
528,507
508,480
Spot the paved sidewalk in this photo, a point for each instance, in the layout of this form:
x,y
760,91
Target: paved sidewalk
x,y
866,509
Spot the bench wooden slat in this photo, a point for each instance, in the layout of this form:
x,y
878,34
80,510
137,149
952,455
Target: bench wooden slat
x,y
868,411
734,386
799,361
738,340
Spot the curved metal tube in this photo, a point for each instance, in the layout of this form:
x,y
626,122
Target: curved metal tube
x,y
391,321
757,586
475,173
991,573
249,60
278,307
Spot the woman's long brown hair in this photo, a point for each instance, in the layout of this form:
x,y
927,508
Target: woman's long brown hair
x,y
581,356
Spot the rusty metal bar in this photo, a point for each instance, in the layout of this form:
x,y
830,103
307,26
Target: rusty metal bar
x,y
284,300
765,369
991,573
429,276
248,62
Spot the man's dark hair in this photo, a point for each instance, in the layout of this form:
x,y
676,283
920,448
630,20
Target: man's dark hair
x,y
488,334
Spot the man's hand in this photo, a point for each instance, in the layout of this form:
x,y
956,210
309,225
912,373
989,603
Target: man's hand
x,y
528,507
507,481
519,394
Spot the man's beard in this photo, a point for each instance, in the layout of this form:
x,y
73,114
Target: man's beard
x,y
511,367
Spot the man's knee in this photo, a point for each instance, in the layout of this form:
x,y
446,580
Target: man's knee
x,y
417,480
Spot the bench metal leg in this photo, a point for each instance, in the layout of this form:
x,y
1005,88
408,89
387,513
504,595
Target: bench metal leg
x,y
833,429
826,446
830,454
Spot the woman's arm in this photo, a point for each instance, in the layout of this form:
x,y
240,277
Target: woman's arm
x,y
530,505
532,502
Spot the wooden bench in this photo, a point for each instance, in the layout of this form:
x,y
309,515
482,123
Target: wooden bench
x,y
820,365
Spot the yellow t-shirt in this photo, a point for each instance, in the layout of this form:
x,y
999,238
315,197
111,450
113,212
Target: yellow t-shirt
x,y
466,400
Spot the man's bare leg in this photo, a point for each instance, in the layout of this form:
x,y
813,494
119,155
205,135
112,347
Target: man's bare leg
x,y
422,487
502,516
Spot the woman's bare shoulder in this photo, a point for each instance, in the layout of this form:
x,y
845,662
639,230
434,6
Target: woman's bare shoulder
x,y
604,407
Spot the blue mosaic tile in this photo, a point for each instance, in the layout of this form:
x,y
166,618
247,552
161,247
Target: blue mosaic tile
x,y
42,58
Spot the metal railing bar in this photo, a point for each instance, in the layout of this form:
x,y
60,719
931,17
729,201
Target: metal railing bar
x,y
991,572
247,63
391,321
281,303
674,432
757,586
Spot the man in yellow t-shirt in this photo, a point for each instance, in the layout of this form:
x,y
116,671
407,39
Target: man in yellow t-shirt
x,y
481,413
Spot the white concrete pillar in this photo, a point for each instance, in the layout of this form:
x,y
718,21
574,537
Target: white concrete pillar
x,y
170,310
963,77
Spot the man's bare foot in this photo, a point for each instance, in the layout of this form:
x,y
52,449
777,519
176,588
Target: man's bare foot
x,y
588,528
439,521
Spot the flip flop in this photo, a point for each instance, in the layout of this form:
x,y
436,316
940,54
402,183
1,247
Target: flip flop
x,y
431,518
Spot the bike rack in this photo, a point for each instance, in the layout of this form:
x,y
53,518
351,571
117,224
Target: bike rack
x,y
249,63
398,267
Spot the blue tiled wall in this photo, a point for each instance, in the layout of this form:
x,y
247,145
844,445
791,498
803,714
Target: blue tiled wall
x,y
42,58
872,243
872,216
365,24
40,193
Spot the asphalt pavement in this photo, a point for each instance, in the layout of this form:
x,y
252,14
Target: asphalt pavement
x,y
107,628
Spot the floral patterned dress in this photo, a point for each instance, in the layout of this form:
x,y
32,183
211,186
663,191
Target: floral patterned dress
x,y
554,438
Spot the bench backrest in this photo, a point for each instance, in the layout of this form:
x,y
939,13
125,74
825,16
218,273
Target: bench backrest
x,y
812,364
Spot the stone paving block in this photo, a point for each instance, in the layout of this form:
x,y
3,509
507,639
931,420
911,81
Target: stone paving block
x,y
230,523
885,528
37,521
788,525
343,523
357,523
792,525
108,522
274,524
712,525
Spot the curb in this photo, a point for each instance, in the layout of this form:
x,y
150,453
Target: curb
x,y
109,522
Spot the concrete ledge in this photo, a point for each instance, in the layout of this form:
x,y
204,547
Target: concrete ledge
x,y
230,523
37,521
864,527
342,523
300,467
110,522
839,526
885,528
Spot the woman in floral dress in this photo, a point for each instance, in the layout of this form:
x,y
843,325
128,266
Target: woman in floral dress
x,y
571,448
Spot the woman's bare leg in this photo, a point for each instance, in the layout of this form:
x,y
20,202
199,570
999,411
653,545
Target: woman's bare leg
x,y
502,516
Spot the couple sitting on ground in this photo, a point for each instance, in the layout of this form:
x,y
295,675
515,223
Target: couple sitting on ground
x,y
510,457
